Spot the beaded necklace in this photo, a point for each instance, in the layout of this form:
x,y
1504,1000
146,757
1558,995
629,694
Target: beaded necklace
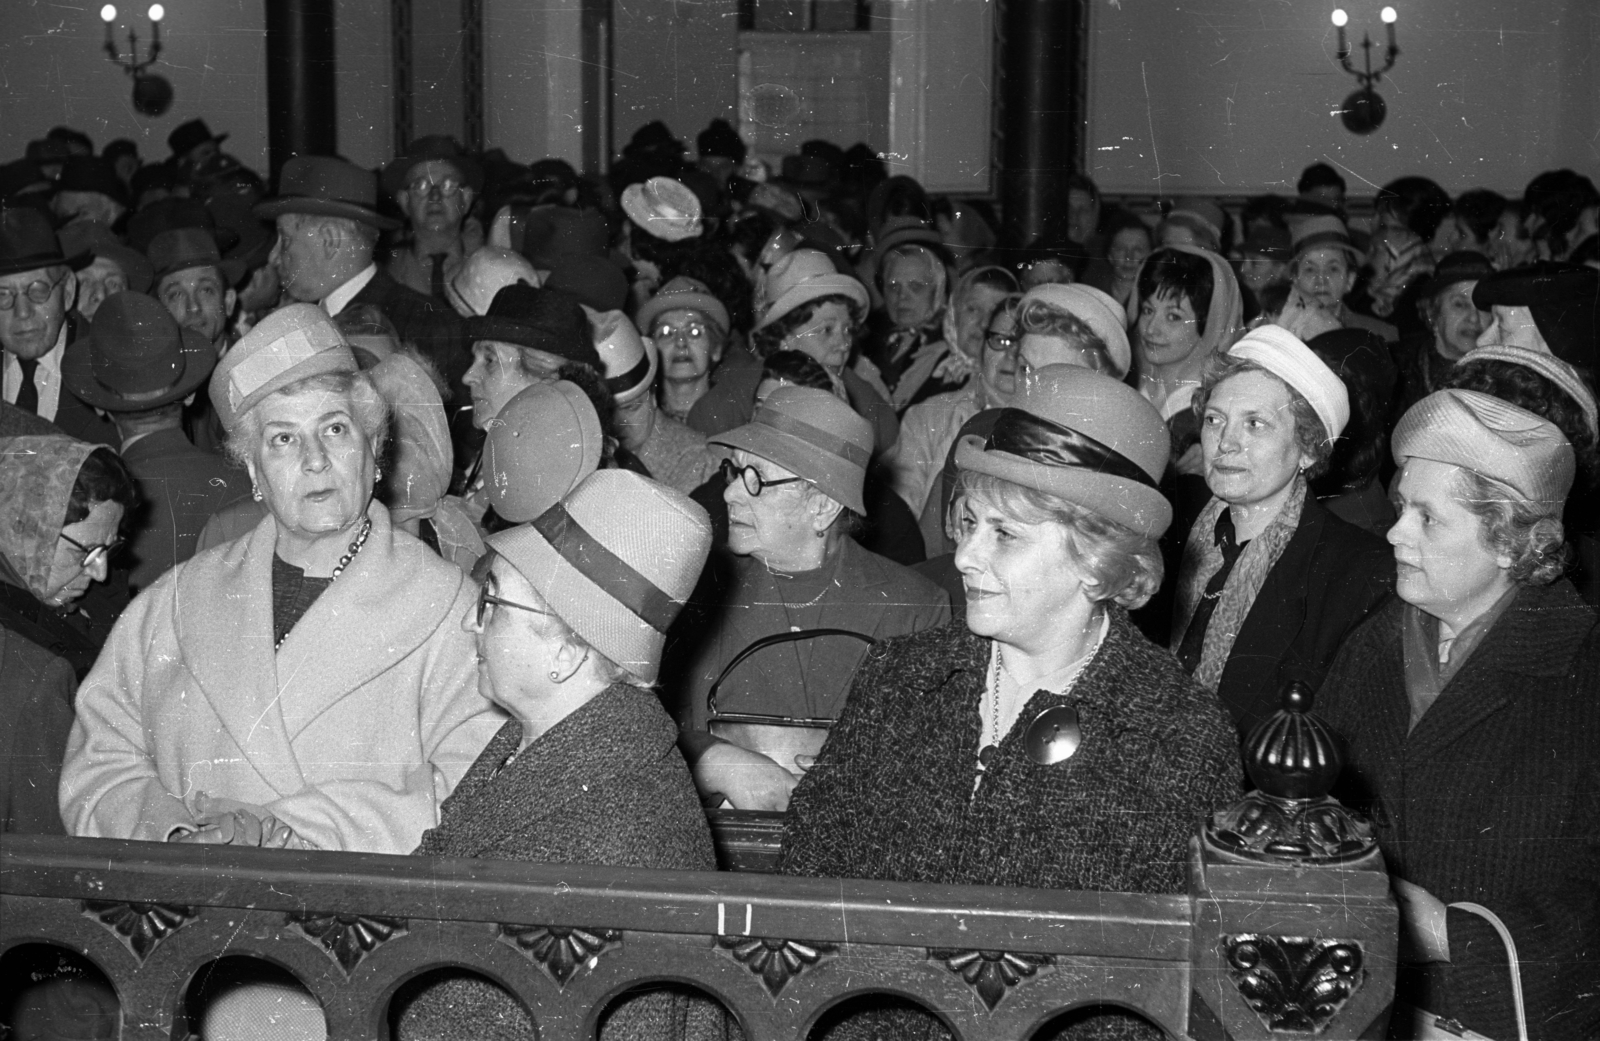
x,y
344,562
998,664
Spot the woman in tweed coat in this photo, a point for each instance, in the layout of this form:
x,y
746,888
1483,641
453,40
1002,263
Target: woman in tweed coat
x,y
940,769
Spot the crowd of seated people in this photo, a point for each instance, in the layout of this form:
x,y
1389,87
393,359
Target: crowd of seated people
x,y
471,508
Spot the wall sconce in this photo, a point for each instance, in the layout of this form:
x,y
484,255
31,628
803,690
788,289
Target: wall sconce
x,y
1363,111
152,95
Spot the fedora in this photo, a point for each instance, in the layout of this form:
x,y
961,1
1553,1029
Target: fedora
x,y
181,249
167,214
188,136
82,173
1319,230
630,359
663,207
543,319
328,187
684,294
618,557
544,441
1461,266
255,238
1083,436
290,344
813,435
135,357
97,240
485,272
27,242
433,148
594,281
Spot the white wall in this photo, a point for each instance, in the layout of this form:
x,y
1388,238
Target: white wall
x,y
533,79
1227,96
365,81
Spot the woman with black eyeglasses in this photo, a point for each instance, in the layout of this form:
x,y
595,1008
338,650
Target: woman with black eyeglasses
x,y
61,504
794,496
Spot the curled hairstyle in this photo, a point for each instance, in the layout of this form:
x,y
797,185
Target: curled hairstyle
x,y
1173,272
1531,534
770,339
1310,436
1119,565
1044,319
367,407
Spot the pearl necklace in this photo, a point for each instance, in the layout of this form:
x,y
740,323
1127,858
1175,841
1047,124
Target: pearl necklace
x,y
344,562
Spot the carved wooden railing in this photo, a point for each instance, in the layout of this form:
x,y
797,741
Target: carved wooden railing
x,y
1287,930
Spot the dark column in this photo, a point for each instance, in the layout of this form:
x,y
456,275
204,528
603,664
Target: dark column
x,y
301,118
1041,115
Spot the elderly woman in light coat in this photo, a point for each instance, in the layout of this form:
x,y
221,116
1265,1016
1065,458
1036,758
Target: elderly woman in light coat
x,y
309,685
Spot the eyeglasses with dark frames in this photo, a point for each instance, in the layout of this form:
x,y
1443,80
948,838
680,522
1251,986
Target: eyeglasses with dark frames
x,y
751,477
39,292
93,555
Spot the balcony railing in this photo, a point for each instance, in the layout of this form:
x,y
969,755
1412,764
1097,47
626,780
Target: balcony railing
x,y
1263,949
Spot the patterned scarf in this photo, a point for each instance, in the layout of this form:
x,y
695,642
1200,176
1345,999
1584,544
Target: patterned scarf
x,y
1202,558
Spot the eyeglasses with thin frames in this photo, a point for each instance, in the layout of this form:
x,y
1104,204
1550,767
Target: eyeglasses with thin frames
x,y
93,555
824,333
425,186
39,292
751,477
480,574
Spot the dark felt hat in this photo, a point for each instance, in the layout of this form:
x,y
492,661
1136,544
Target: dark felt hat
x,y
190,135
172,213
48,150
28,242
329,187
98,241
545,319
179,249
1564,299
555,231
135,357
20,176
82,173
1462,266
255,237
435,147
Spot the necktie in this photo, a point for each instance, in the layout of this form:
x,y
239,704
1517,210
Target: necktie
x,y
436,281
28,393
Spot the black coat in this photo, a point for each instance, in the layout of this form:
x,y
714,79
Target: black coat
x,y
1330,577
74,417
437,331
1493,798
36,702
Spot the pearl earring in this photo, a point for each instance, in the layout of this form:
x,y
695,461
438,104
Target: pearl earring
x,y
555,676
256,492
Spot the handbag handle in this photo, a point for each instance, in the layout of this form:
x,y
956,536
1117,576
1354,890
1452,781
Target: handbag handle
x,y
772,641
1511,953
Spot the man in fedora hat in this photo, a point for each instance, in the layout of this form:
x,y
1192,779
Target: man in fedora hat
x,y
193,144
37,322
328,226
112,268
89,190
139,364
190,282
434,183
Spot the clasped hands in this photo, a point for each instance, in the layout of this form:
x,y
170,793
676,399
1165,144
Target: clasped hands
x,y
220,824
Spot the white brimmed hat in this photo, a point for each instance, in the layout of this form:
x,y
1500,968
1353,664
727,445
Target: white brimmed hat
x,y
665,208
630,360
1492,438
616,558
484,273
1282,353
290,344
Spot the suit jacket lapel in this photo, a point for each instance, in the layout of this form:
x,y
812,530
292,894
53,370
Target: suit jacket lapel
x,y
223,613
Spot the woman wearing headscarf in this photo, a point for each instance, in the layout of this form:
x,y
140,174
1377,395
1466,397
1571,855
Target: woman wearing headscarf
x,y
996,752
62,503
1271,581
794,494
309,684
1469,711
587,771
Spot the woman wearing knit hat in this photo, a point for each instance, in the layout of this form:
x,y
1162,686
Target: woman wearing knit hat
x,y
571,617
1271,581
1044,743
1470,733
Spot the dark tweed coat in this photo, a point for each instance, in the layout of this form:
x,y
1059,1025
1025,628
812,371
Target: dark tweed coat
x,y
606,785
1494,798
891,795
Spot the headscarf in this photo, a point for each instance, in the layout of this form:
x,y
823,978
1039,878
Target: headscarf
x,y
37,473
1225,316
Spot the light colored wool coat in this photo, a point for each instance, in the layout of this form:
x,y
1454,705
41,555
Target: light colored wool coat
x,y
351,734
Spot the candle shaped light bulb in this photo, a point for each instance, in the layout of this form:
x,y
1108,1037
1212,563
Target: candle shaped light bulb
x,y
108,14
1340,19
157,12
1388,15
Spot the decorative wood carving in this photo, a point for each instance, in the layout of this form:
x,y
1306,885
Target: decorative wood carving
x,y
141,927
560,950
1294,983
775,961
991,973
347,938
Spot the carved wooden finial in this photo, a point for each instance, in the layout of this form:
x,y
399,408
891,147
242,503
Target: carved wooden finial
x,y
1292,754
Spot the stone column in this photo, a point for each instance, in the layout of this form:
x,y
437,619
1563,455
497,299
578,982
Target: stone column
x,y
301,116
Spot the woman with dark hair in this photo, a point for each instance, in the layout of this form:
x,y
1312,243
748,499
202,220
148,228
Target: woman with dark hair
x,y
1470,224
62,503
1470,731
1271,582
1044,743
1414,203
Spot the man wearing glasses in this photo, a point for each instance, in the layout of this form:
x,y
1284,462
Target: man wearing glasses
x,y
37,323
434,184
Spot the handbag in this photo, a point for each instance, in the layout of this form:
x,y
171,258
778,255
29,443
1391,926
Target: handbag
x,y
1421,1025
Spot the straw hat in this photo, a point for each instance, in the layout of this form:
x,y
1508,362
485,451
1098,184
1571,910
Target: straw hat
x,y
813,435
665,208
1085,437
290,344
617,558
484,273
1492,438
